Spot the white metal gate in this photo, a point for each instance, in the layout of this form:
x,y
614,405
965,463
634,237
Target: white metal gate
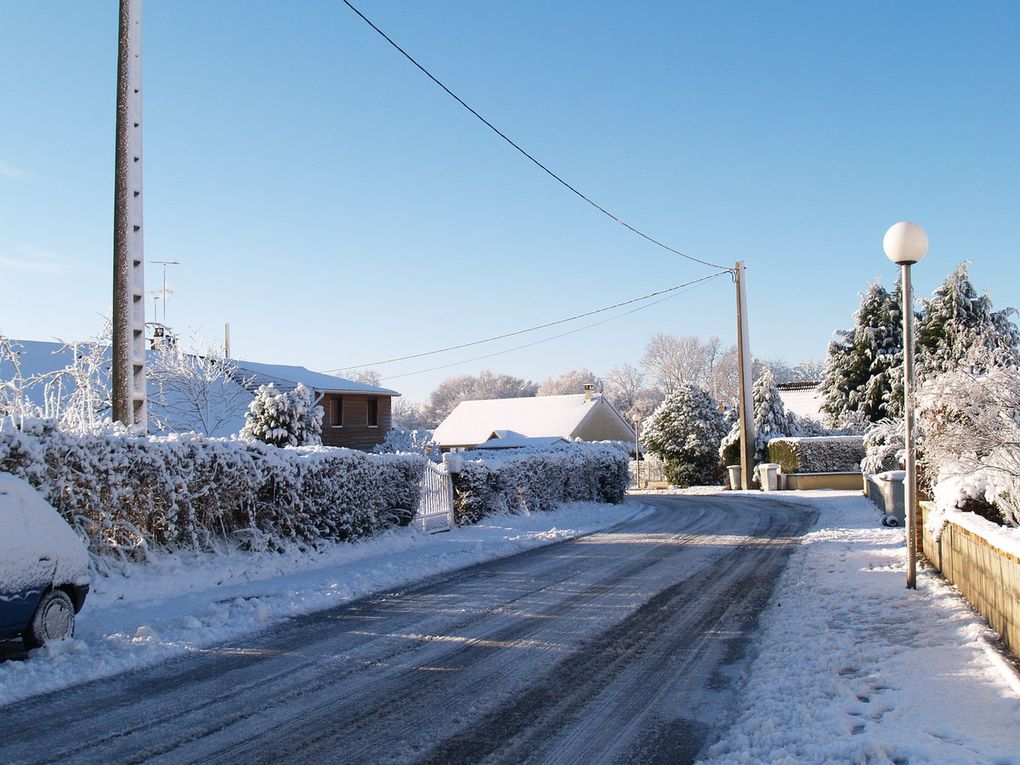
x,y
435,503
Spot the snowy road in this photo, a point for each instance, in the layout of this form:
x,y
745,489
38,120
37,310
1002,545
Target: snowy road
x,y
619,646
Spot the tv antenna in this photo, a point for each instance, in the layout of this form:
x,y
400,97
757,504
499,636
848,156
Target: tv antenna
x,y
164,291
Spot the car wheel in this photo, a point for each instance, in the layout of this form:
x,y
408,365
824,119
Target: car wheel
x,y
53,620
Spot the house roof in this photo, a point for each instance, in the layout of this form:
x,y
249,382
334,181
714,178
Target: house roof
x,y
473,422
802,398
286,377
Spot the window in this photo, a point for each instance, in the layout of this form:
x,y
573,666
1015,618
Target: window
x,y
336,412
373,413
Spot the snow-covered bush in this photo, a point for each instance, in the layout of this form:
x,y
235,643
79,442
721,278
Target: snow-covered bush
x,y
126,493
409,441
283,418
884,447
971,451
824,454
684,431
530,479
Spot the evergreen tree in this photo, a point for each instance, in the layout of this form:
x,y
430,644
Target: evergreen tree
x,y
283,418
684,432
863,362
955,319
771,420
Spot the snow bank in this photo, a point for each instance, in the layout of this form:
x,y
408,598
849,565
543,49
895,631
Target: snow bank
x,y
851,667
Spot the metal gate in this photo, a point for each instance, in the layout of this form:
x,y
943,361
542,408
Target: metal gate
x,y
435,502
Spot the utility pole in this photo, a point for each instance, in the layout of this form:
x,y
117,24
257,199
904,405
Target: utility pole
x,y
745,406
128,373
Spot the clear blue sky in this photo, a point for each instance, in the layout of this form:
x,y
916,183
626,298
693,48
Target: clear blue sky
x,y
336,208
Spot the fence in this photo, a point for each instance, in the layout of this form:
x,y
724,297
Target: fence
x,y
435,504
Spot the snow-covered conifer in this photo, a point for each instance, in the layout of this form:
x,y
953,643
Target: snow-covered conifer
x,y
283,418
684,431
862,362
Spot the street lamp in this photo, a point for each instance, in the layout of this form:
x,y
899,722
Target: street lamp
x,y
905,244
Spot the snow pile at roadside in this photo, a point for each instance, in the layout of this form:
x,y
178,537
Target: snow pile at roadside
x,y
852,667
182,602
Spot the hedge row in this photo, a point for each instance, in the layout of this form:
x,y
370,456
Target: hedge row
x,y
528,480
126,493
823,454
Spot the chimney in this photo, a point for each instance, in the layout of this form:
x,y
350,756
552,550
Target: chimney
x,y
589,388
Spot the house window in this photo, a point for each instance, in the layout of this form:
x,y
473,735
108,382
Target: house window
x,y
336,414
373,413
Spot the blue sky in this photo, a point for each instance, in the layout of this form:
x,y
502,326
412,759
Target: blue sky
x,y
337,208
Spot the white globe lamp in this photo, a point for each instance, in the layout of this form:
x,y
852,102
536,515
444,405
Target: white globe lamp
x,y
905,243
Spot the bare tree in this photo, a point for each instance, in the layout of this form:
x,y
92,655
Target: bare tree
x,y
408,415
470,388
367,376
572,381
198,393
15,404
626,390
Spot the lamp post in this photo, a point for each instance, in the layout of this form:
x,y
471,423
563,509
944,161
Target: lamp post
x,y
905,244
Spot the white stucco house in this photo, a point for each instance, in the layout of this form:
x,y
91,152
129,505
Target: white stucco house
x,y
530,421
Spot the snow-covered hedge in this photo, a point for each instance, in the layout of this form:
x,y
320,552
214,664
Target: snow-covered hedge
x,y
526,480
126,493
824,454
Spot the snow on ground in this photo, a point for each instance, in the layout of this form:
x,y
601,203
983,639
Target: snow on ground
x,y
852,667
182,602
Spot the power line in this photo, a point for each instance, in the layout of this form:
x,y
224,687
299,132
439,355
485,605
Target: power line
x,y
535,328
546,339
520,149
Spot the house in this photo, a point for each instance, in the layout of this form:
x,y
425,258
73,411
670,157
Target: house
x,y
803,398
355,415
583,416
508,439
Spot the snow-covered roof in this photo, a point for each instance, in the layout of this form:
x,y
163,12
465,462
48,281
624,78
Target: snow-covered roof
x,y
802,399
473,422
285,377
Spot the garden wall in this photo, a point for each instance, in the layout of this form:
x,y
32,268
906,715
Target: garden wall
x,y
985,572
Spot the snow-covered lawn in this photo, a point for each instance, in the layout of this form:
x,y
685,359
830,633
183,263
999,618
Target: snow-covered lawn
x,y
183,602
851,667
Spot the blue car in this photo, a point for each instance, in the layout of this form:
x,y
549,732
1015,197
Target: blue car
x,y
44,567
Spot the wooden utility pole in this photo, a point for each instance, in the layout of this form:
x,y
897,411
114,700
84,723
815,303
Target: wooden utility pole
x,y
128,374
745,405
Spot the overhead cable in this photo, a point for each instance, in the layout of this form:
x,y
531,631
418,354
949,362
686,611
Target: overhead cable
x,y
547,339
520,149
535,328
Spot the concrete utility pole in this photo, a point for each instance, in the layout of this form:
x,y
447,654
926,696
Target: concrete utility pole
x,y
128,273
745,406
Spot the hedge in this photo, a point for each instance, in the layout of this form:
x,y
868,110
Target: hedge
x,y
822,454
528,480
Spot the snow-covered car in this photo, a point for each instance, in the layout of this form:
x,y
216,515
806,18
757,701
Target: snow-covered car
x,y
44,574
